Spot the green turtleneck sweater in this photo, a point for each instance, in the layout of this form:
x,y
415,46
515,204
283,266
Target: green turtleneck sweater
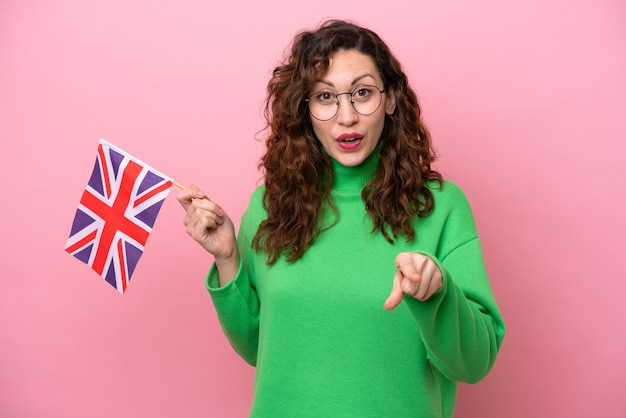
x,y
316,329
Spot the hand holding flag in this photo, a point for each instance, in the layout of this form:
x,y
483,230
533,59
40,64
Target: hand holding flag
x,y
209,225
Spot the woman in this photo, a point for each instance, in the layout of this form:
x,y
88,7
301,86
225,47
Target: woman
x,y
351,219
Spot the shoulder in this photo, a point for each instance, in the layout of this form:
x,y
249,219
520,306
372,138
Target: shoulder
x,y
452,207
257,194
255,210
254,213
447,193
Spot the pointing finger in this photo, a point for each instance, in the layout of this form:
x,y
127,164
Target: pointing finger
x,y
395,297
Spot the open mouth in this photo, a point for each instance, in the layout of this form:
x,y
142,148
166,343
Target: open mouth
x,y
350,141
349,138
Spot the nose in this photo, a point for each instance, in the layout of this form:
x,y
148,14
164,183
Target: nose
x,y
346,115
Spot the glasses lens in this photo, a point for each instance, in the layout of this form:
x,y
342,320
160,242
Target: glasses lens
x,y
323,105
366,99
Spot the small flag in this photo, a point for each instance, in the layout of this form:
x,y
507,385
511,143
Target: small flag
x,y
116,214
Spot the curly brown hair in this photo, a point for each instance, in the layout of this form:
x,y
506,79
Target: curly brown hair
x,y
298,173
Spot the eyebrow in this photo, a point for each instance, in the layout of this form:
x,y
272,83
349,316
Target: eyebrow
x,y
355,81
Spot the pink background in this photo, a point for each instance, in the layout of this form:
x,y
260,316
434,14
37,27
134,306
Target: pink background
x,y
527,105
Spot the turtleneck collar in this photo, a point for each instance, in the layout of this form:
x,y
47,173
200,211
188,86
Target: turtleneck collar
x,y
354,179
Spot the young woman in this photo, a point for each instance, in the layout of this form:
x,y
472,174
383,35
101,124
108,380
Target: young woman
x,y
356,285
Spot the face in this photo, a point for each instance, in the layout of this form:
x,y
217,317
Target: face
x,y
350,137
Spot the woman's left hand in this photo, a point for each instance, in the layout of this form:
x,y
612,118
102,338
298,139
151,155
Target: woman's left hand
x,y
416,275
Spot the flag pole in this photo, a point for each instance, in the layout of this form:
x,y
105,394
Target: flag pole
x,y
177,184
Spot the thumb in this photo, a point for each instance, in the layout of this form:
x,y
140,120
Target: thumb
x,y
395,297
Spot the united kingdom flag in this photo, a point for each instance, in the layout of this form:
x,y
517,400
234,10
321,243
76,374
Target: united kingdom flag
x,y
116,214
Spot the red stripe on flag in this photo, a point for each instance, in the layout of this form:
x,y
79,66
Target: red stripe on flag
x,y
120,254
82,242
105,171
148,195
114,216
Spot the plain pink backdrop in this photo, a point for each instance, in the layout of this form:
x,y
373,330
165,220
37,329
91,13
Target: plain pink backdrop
x,y
526,104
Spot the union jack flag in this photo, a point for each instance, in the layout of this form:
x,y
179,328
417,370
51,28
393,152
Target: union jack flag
x,y
116,214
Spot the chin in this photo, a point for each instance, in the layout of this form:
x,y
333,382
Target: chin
x,y
351,161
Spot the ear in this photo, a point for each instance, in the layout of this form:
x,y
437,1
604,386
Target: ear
x,y
390,102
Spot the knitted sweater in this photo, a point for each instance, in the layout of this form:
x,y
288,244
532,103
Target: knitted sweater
x,y
316,330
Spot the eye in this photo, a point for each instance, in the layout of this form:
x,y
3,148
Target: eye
x,y
324,97
362,94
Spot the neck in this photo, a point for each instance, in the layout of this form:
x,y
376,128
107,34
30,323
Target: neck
x,y
354,179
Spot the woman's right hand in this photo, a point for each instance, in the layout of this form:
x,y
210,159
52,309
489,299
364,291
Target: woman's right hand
x,y
210,226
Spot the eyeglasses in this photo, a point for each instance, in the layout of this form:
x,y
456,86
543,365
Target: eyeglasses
x,y
323,105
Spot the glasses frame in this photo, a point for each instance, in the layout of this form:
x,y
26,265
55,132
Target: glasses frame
x,y
351,93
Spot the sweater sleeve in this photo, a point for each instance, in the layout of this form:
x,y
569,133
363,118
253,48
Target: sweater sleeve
x,y
461,325
237,309
237,303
